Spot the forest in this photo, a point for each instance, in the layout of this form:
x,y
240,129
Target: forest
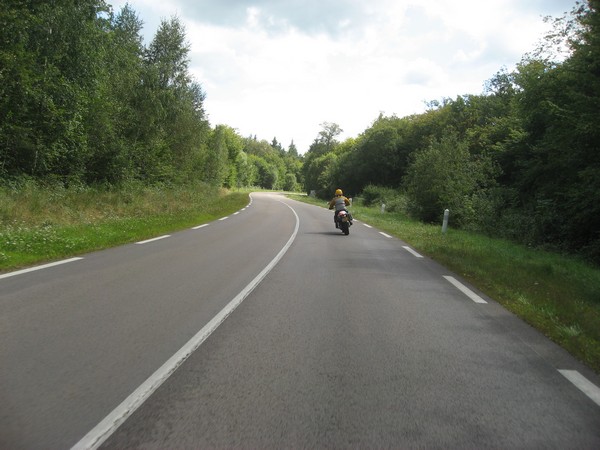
x,y
83,101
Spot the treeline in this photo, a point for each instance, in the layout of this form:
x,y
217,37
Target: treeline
x,y
84,101
520,161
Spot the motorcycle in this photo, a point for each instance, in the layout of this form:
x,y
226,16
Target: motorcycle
x,y
343,221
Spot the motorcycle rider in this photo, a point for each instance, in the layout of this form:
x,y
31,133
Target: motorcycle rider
x,y
339,202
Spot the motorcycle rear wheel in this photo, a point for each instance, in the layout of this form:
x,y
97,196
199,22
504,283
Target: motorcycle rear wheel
x,y
345,228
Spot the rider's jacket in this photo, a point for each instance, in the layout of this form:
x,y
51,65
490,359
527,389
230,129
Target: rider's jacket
x,y
339,202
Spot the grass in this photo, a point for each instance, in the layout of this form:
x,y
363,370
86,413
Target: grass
x,y
40,224
558,295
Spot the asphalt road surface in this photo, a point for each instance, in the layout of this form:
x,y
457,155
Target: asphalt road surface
x,y
271,329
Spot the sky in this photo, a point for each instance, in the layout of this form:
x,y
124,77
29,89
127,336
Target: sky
x,y
281,68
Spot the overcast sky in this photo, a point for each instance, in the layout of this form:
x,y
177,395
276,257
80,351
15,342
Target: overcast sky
x,y
281,68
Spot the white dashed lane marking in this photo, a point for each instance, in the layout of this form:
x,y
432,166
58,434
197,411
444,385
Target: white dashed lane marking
x,y
465,290
154,239
44,266
583,384
410,250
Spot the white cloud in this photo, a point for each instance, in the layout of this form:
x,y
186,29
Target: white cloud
x,y
279,69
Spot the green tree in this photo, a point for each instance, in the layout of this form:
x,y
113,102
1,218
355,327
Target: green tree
x,y
314,163
235,163
381,158
292,150
216,160
266,174
111,123
328,136
171,129
445,176
290,183
559,165
51,55
277,147
243,170
168,55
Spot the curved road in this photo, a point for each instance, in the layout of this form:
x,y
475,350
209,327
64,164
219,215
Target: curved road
x,y
336,341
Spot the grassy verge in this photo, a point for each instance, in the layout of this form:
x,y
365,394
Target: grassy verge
x,y
42,224
558,295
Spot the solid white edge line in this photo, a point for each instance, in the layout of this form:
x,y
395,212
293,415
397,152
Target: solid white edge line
x,y
44,266
465,290
154,239
583,384
111,423
199,226
410,250
386,235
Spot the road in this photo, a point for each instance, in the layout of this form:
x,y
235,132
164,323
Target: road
x,y
335,341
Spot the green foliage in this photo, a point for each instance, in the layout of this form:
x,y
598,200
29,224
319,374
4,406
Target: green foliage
x,y
290,183
317,170
446,176
266,173
393,199
292,150
380,154
51,55
320,160
83,101
558,166
217,155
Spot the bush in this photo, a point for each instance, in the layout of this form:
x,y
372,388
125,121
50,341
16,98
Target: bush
x,y
395,201
444,175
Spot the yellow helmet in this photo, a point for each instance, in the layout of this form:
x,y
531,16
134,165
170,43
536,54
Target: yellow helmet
x,y
338,192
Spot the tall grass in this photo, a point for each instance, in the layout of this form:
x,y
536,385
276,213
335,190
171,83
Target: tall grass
x,y
40,223
558,295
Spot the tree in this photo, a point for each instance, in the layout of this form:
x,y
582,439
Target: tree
x,y
112,118
51,56
290,182
243,170
277,147
266,174
444,175
215,164
292,150
328,134
171,127
559,166
314,166
168,55
236,164
381,160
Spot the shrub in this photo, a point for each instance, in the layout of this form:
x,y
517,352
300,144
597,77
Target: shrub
x,y
395,201
444,175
